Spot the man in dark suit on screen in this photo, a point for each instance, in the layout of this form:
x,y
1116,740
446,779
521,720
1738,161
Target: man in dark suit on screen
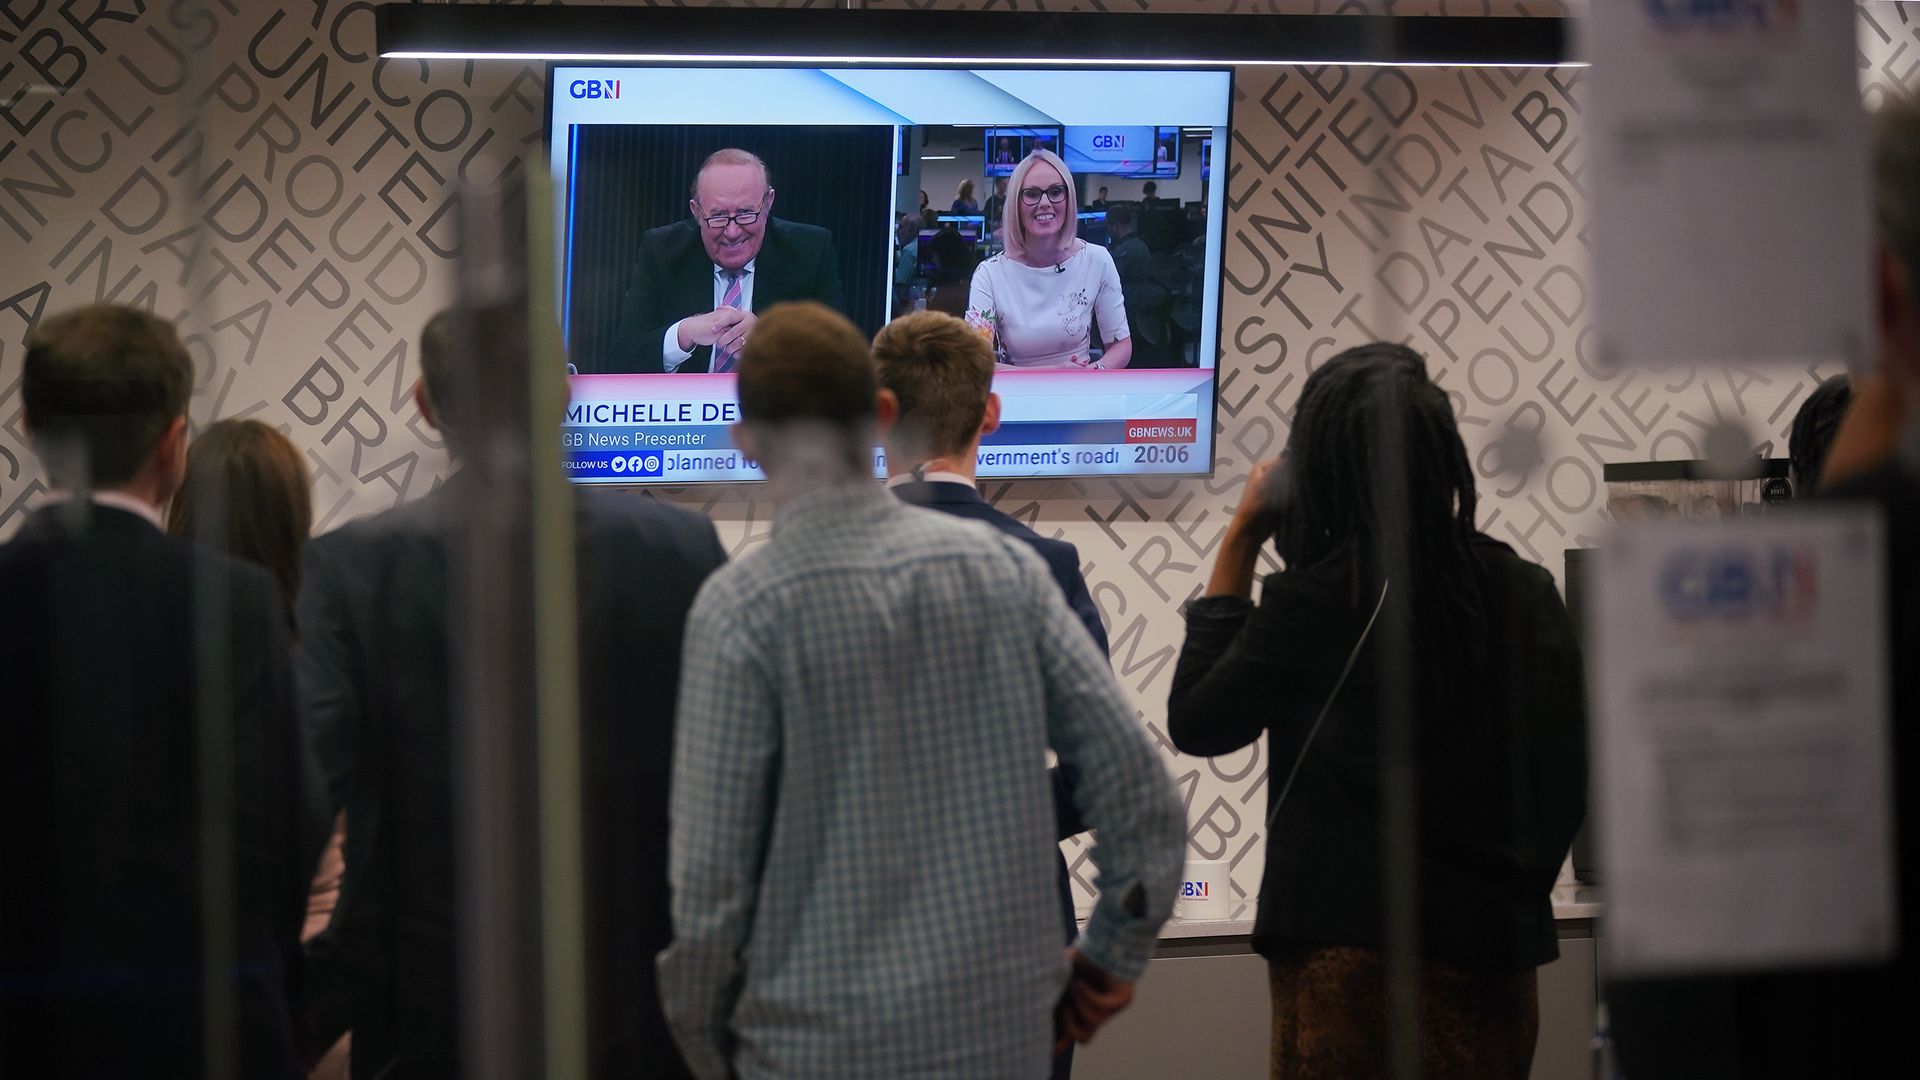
x,y
696,284
940,374
376,679
1147,303
164,810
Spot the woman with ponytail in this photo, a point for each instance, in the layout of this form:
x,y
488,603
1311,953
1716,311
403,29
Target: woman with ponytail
x,y
1421,690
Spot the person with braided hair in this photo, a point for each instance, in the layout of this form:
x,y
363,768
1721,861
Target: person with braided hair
x,y
1399,651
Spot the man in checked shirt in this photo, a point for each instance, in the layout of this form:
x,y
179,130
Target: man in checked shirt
x,y
862,828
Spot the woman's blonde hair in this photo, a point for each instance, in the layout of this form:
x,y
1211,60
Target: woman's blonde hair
x,y
1015,233
965,190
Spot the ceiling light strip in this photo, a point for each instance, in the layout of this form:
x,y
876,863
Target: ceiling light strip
x,y
826,37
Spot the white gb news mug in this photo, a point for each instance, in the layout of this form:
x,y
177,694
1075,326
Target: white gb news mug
x,y
1205,892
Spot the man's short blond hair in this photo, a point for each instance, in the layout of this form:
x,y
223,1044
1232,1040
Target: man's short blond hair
x,y
941,370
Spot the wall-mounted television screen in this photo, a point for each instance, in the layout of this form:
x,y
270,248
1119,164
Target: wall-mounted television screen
x,y
693,197
1004,147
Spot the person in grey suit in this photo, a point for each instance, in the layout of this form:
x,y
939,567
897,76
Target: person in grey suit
x,y
374,677
149,745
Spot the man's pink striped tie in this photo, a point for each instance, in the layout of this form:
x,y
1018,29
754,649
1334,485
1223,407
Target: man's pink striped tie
x,y
724,359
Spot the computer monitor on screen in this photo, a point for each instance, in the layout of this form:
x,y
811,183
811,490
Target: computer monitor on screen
x,y
1093,226
972,225
1004,147
931,245
1126,150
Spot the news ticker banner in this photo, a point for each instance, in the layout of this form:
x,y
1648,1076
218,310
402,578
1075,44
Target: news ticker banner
x,y
675,429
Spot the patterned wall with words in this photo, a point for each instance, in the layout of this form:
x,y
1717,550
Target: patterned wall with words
x,y
255,172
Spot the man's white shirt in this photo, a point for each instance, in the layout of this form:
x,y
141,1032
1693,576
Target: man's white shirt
x,y
931,476
116,500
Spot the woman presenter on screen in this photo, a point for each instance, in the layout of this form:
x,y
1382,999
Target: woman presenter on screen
x,y
1044,296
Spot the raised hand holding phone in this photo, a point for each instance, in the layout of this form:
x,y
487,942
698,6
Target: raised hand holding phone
x,y
1262,502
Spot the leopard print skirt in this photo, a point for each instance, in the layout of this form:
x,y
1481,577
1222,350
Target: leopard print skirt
x,y
1330,1018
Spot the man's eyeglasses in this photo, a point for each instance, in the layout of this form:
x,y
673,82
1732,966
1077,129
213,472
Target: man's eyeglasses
x,y
1032,195
738,217
718,220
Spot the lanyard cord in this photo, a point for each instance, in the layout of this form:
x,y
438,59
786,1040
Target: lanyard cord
x,y
1352,658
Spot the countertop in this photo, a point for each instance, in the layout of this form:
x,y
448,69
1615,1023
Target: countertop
x,y
1570,902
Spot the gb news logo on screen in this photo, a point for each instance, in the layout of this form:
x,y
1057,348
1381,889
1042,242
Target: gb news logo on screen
x,y
594,89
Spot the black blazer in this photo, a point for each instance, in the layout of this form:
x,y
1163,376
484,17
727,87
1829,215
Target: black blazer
x,y
1064,561
1062,557
111,633
1501,779
374,676
672,279
1895,490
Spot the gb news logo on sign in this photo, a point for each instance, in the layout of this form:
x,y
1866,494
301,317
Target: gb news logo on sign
x,y
594,89
1740,584
1719,16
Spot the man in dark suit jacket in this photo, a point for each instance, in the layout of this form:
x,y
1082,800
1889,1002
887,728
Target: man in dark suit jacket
x,y
697,283
375,675
939,375
151,747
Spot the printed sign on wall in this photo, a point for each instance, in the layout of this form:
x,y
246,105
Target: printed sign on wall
x,y
1710,124
1739,684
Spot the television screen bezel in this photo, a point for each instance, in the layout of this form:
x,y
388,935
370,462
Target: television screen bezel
x,y
1220,302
